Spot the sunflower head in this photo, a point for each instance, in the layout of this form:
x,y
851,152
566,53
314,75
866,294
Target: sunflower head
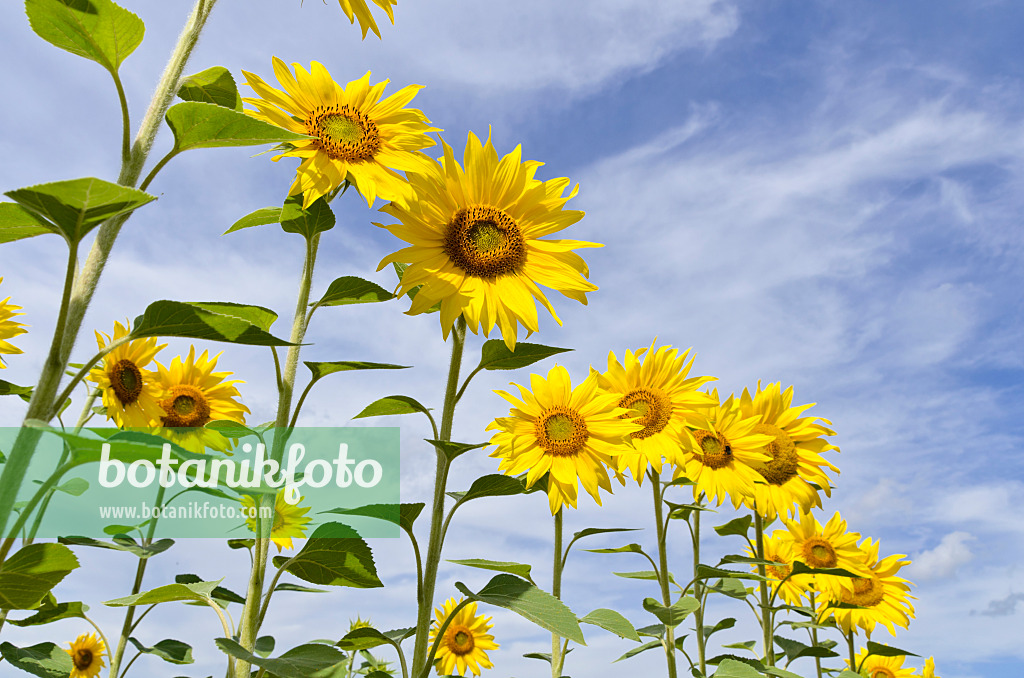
x,y
86,656
475,241
358,10
130,392
9,328
465,641
354,134
875,666
569,433
827,547
779,548
289,520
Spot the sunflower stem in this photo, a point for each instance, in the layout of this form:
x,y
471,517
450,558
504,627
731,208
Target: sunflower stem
x,y
767,621
663,573
814,637
433,556
853,652
557,658
698,594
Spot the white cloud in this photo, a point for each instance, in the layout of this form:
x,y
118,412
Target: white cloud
x,y
942,561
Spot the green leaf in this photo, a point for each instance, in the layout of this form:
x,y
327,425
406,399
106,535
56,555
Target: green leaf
x,y
51,613
526,600
317,218
364,638
732,668
610,620
45,660
261,217
674,615
321,370
652,631
17,223
241,543
887,651
649,575
400,514
794,649
800,567
121,543
628,548
170,650
737,526
230,429
264,645
726,623
334,555
75,207
181,319
259,316
745,645
707,572
196,124
590,531
214,86
95,29
74,486
28,575
494,355
288,586
393,404
519,569
783,673
23,392
733,588
637,650
352,290
199,592
847,673
492,485
313,660
451,450
219,593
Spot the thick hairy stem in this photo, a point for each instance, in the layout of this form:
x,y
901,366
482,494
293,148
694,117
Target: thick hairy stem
x,y
663,575
767,621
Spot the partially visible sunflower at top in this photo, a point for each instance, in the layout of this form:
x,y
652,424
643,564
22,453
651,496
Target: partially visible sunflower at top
x,y
130,391
359,10
570,433
475,234
654,386
9,328
795,460
356,136
193,396
877,666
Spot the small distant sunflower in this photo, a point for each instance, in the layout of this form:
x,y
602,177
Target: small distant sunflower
x,y
656,388
779,548
193,396
130,392
720,455
795,460
826,547
929,669
570,432
358,10
289,520
465,640
9,328
356,135
475,241
874,666
881,596
86,656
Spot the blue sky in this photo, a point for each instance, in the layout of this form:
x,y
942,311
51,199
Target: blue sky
x,y
826,194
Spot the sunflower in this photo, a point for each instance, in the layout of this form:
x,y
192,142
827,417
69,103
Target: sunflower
x,y
356,136
289,519
656,389
875,666
193,395
929,669
720,454
475,241
86,656
881,596
9,328
357,9
795,459
570,432
130,392
779,548
465,640
826,547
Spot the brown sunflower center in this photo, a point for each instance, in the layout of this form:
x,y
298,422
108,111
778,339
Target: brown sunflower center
x,y
715,450
83,658
561,431
459,640
344,133
779,572
186,407
653,407
784,459
867,592
126,380
819,553
484,242
882,672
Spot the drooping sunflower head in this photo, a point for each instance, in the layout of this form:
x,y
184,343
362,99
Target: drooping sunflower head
x,y
875,666
720,453
355,135
9,328
655,388
779,548
289,519
827,547
795,460
570,433
465,641
474,234
357,10
130,392
86,656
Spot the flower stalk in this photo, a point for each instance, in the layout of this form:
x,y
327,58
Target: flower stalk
x,y
767,618
663,572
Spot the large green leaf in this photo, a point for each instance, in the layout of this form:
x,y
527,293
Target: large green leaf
x,y
215,85
170,650
526,600
51,613
737,526
518,569
305,661
393,404
610,620
181,319
259,316
121,543
316,218
95,29
492,485
261,217
200,592
494,355
7,388
45,660
794,649
28,575
75,207
334,555
887,651
16,223
674,615
402,515
321,370
197,124
349,289
452,450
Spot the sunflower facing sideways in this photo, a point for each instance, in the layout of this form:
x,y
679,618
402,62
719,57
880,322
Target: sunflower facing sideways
x,y
570,432
9,328
130,392
654,385
359,10
875,666
289,519
356,136
465,641
795,453
475,241
86,656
